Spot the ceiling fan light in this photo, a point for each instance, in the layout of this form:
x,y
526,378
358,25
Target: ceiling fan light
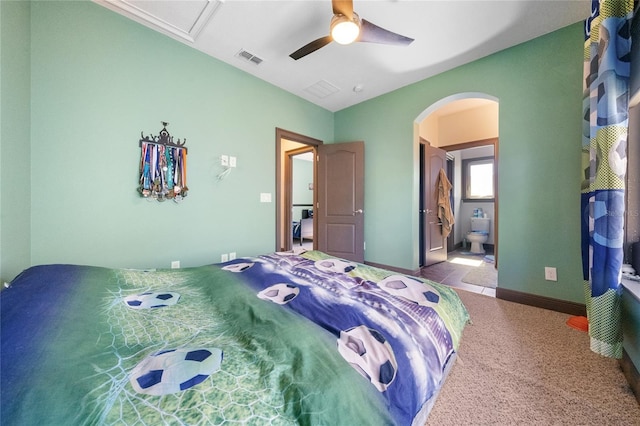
x,y
344,30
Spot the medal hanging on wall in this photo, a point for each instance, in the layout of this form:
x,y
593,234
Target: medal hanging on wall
x,y
163,167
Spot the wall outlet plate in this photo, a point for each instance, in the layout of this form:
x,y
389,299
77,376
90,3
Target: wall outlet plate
x,y
224,257
175,264
232,255
550,274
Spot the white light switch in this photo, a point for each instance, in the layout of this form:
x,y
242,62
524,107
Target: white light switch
x,y
265,197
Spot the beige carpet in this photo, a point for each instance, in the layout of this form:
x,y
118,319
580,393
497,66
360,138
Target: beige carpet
x,y
520,365
485,275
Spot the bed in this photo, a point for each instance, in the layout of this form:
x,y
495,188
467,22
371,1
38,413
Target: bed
x,y
281,338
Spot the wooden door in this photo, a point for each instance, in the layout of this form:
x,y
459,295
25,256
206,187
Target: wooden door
x,y
340,207
434,244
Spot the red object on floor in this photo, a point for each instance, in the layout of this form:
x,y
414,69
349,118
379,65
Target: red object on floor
x,y
579,323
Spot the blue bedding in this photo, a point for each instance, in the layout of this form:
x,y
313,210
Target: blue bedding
x,y
274,339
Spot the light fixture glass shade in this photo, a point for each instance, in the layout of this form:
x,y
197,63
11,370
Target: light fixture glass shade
x,y
343,30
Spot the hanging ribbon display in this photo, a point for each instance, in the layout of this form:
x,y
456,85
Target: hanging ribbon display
x,y
163,167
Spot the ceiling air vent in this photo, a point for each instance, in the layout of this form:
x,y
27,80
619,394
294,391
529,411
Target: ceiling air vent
x,y
322,89
249,57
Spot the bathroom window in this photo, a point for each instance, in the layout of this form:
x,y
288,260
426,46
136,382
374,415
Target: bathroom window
x,y
478,179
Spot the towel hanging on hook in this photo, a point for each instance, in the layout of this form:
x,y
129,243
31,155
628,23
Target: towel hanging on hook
x,y
445,213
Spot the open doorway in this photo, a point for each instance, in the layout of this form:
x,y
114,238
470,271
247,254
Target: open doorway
x,y
463,129
459,125
301,168
290,147
338,194
473,171
465,266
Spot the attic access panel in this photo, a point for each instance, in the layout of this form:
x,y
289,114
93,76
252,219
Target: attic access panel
x,y
179,19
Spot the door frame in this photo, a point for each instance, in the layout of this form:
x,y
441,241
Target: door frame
x,y
496,165
288,193
283,184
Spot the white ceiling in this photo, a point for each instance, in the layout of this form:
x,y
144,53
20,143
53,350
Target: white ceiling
x,y
447,34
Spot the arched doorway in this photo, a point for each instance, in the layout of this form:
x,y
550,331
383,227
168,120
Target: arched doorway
x,y
455,126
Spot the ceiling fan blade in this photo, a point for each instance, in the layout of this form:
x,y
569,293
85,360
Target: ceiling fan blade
x,y
311,47
343,7
371,33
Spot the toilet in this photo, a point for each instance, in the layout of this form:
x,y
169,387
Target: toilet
x,y
479,233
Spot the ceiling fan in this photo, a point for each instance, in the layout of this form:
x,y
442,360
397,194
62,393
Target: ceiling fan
x,y
347,27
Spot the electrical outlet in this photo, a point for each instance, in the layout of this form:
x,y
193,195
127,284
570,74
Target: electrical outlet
x,y
232,162
224,160
232,255
550,274
224,257
175,264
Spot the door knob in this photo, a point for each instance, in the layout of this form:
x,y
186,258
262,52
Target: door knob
x,y
359,211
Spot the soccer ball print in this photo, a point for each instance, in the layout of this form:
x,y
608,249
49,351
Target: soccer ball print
x,y
410,289
279,293
370,354
151,300
174,370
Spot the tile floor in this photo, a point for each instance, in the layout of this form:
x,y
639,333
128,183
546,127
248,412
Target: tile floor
x,y
453,270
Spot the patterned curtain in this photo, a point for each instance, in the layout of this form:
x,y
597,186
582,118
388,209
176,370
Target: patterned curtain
x,y
606,96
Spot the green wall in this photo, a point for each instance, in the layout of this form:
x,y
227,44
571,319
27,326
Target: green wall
x,y
15,186
539,87
302,177
98,81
